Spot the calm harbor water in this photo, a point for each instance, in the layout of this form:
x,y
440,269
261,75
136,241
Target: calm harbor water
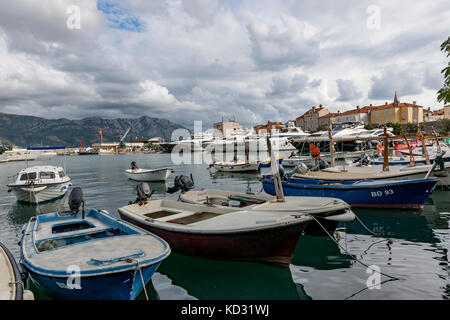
x,y
417,249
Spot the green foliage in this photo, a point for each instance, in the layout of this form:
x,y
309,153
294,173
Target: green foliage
x,y
368,127
396,128
411,128
444,127
443,95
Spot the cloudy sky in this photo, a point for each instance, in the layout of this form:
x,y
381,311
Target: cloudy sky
x,y
187,60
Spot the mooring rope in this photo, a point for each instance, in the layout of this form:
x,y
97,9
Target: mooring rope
x,y
138,267
334,240
373,233
142,279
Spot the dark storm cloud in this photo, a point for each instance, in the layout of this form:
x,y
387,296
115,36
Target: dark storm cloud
x,y
201,60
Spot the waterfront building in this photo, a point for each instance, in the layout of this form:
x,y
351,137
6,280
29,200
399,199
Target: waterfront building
x,y
396,112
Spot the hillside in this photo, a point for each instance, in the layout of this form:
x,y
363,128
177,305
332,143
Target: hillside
x,y
33,131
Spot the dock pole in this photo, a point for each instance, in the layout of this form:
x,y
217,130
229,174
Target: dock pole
x,y
386,152
330,136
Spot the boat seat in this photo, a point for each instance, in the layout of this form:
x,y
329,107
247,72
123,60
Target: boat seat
x,y
45,230
181,214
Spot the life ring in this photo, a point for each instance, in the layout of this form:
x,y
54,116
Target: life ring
x,y
379,148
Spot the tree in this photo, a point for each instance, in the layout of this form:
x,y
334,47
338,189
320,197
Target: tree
x,y
395,128
411,128
443,95
368,127
444,127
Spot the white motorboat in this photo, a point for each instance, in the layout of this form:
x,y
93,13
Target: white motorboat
x,y
237,166
18,154
160,174
39,184
11,287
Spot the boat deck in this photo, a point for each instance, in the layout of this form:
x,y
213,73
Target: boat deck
x,y
54,242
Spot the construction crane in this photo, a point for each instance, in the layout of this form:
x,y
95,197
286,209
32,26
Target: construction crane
x,y
122,144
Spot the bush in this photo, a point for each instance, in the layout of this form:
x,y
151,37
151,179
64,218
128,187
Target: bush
x,y
411,128
396,128
444,125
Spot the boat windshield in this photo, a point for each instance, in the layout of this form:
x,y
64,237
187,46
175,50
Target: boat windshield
x,y
47,175
28,176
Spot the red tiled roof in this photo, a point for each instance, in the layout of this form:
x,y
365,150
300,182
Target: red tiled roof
x,y
360,110
329,115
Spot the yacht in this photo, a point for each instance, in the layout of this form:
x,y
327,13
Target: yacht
x,y
19,154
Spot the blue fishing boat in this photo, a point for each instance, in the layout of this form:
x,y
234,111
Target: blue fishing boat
x,y
405,194
266,163
89,255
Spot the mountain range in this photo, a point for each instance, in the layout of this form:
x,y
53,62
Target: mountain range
x,y
26,131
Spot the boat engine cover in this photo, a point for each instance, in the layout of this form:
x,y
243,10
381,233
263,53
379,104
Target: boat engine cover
x,y
75,199
143,190
183,183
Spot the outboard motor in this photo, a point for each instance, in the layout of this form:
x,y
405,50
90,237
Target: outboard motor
x,y
363,160
76,200
183,183
143,193
301,168
320,164
440,162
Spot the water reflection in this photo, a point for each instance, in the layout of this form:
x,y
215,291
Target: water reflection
x,y
20,213
398,224
320,253
219,280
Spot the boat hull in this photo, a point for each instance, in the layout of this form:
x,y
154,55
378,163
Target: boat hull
x,y
9,273
238,167
407,195
273,246
153,175
51,192
124,285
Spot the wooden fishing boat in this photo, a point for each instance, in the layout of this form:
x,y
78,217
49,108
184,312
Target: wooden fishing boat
x,y
11,286
89,255
266,233
328,211
237,166
160,174
407,194
400,172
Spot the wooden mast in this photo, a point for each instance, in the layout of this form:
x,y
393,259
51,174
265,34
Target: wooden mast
x,y
386,152
411,157
438,146
275,172
330,136
424,146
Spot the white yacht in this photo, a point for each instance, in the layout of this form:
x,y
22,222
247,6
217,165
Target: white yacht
x,y
19,154
39,184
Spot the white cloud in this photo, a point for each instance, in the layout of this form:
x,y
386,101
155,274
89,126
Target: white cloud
x,y
260,60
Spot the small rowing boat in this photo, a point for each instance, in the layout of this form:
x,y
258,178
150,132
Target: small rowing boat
x,y
266,231
237,166
89,255
328,215
160,174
